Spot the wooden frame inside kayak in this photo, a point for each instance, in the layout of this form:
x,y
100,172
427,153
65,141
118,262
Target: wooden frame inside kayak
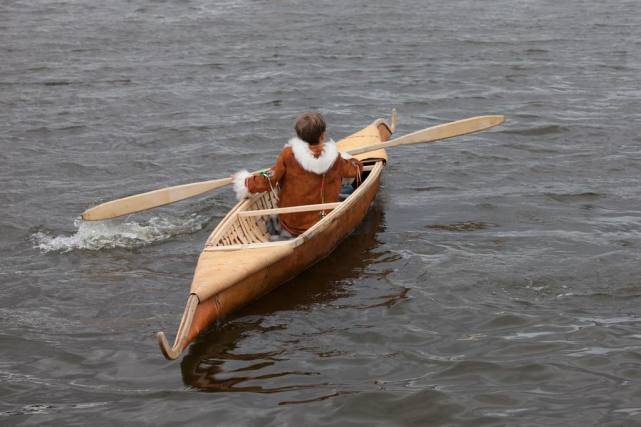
x,y
239,262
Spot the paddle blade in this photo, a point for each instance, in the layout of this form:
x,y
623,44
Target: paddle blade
x,y
151,199
450,130
438,133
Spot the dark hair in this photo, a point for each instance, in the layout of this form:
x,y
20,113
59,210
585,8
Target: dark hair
x,y
309,127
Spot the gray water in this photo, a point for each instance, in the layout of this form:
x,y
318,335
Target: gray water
x,y
495,282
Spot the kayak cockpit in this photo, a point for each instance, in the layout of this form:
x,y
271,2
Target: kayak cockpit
x,y
252,222
242,230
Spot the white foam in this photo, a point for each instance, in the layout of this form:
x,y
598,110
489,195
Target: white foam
x,y
116,234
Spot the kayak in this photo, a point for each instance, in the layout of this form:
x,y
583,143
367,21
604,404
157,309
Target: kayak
x,y
241,263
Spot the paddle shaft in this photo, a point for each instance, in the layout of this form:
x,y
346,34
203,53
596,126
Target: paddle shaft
x,y
164,196
290,209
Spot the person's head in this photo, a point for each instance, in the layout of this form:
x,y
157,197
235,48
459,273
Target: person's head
x,y
310,127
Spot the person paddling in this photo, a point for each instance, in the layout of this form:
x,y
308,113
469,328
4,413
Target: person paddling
x,y
309,170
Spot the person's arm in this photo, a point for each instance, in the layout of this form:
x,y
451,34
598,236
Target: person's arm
x,y
349,166
246,183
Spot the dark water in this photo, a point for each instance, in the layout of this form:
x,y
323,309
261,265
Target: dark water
x,y
495,282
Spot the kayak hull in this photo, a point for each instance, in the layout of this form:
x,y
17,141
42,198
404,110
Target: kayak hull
x,y
239,264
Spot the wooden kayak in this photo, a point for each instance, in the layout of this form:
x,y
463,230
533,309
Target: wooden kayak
x,y
239,263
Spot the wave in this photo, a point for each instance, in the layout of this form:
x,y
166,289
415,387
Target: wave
x,y
95,236
537,130
461,226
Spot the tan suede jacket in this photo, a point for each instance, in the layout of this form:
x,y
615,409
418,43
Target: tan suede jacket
x,y
305,175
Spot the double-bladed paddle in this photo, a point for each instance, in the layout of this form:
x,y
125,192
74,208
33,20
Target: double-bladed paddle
x,y
165,196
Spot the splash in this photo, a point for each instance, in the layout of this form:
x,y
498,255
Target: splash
x,y
95,236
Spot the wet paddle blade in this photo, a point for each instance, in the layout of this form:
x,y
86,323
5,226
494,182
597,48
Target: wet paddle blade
x,y
152,199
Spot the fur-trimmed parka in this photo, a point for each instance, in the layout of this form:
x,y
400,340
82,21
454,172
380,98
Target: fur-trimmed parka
x,y
303,175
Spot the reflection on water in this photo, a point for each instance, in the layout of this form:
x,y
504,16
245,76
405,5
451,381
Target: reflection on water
x,y
206,365
213,362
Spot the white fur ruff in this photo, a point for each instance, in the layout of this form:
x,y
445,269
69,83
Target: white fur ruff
x,y
239,184
305,157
